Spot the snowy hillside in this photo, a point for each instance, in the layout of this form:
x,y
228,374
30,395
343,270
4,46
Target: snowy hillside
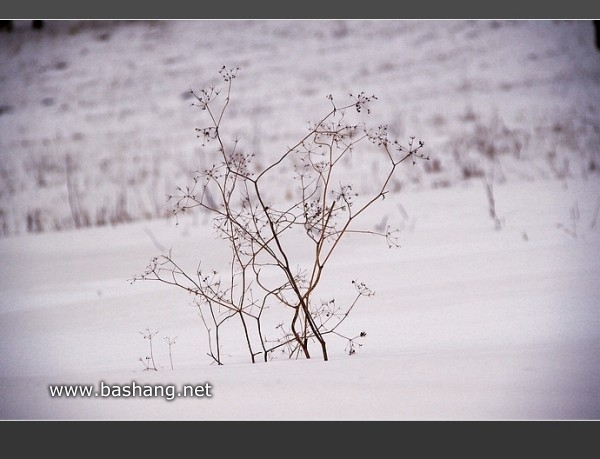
x,y
478,315
105,107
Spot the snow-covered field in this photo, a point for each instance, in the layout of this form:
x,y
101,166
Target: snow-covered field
x,y
468,321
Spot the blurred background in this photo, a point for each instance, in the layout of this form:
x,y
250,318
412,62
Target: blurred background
x,y
97,125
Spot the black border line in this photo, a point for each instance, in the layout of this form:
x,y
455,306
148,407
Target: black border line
x,y
180,9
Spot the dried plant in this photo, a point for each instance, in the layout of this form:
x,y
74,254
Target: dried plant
x,y
148,362
262,230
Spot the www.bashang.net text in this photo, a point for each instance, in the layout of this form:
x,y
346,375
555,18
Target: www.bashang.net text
x,y
168,392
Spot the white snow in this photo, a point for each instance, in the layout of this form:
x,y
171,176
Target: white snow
x,y
468,322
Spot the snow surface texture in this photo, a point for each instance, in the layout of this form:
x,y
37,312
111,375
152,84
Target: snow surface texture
x,y
468,321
